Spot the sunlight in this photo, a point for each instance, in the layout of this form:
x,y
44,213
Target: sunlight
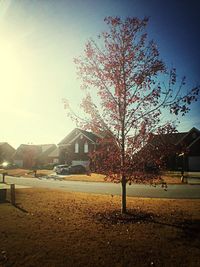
x,y
10,69
5,164
14,69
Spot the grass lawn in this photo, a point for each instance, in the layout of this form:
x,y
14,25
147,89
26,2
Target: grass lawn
x,y
54,228
168,177
94,177
26,172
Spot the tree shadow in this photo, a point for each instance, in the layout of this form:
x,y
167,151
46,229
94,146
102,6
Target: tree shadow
x,y
130,217
189,229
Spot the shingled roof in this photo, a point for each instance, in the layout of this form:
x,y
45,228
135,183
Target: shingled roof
x,y
91,136
39,150
171,138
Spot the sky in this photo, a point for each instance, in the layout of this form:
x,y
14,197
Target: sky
x,y
40,38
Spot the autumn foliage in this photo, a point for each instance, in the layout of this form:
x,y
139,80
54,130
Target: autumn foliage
x,y
128,92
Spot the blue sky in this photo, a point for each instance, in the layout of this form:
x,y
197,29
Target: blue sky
x,y
39,39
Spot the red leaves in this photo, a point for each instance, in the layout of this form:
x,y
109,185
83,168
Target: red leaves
x,y
124,71
114,21
89,50
180,105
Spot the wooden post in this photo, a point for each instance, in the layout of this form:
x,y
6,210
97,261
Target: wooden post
x,y
3,195
3,176
12,194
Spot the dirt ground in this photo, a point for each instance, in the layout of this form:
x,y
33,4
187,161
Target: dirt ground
x,y
54,228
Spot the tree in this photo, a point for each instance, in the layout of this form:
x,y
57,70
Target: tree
x,y
126,93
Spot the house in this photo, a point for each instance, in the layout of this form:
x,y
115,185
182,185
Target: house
x,y
74,149
28,156
53,157
48,154
25,156
185,149
6,152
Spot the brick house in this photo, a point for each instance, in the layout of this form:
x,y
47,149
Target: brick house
x,y
6,152
28,156
186,146
74,149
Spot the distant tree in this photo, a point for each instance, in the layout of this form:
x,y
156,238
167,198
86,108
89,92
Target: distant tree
x,y
128,94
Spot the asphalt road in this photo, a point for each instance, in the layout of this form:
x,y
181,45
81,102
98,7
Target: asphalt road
x,y
173,191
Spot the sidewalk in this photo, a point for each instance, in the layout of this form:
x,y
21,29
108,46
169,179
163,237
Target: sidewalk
x,y
7,186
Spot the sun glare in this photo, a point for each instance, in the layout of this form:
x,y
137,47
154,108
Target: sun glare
x,y
13,68
9,66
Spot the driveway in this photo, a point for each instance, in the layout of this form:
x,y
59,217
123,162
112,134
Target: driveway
x,y
173,191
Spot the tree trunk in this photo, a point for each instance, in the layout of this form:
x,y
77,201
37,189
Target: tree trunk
x,y
123,194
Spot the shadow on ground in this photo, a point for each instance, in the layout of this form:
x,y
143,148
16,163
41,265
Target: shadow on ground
x,y
189,228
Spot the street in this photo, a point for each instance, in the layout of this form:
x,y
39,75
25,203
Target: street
x,y
135,190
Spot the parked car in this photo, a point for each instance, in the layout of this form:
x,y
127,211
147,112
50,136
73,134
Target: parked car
x,y
61,169
77,169
65,169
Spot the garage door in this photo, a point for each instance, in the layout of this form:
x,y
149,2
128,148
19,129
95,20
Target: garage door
x,y
81,162
194,163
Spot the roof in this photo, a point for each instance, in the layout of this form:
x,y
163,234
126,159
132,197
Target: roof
x,y
25,148
46,147
5,143
75,133
194,142
171,138
54,153
2,143
39,150
90,135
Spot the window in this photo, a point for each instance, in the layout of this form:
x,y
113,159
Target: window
x,y
86,147
76,147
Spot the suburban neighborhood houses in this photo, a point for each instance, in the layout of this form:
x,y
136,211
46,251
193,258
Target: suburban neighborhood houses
x,y
185,149
6,152
28,156
74,149
100,133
